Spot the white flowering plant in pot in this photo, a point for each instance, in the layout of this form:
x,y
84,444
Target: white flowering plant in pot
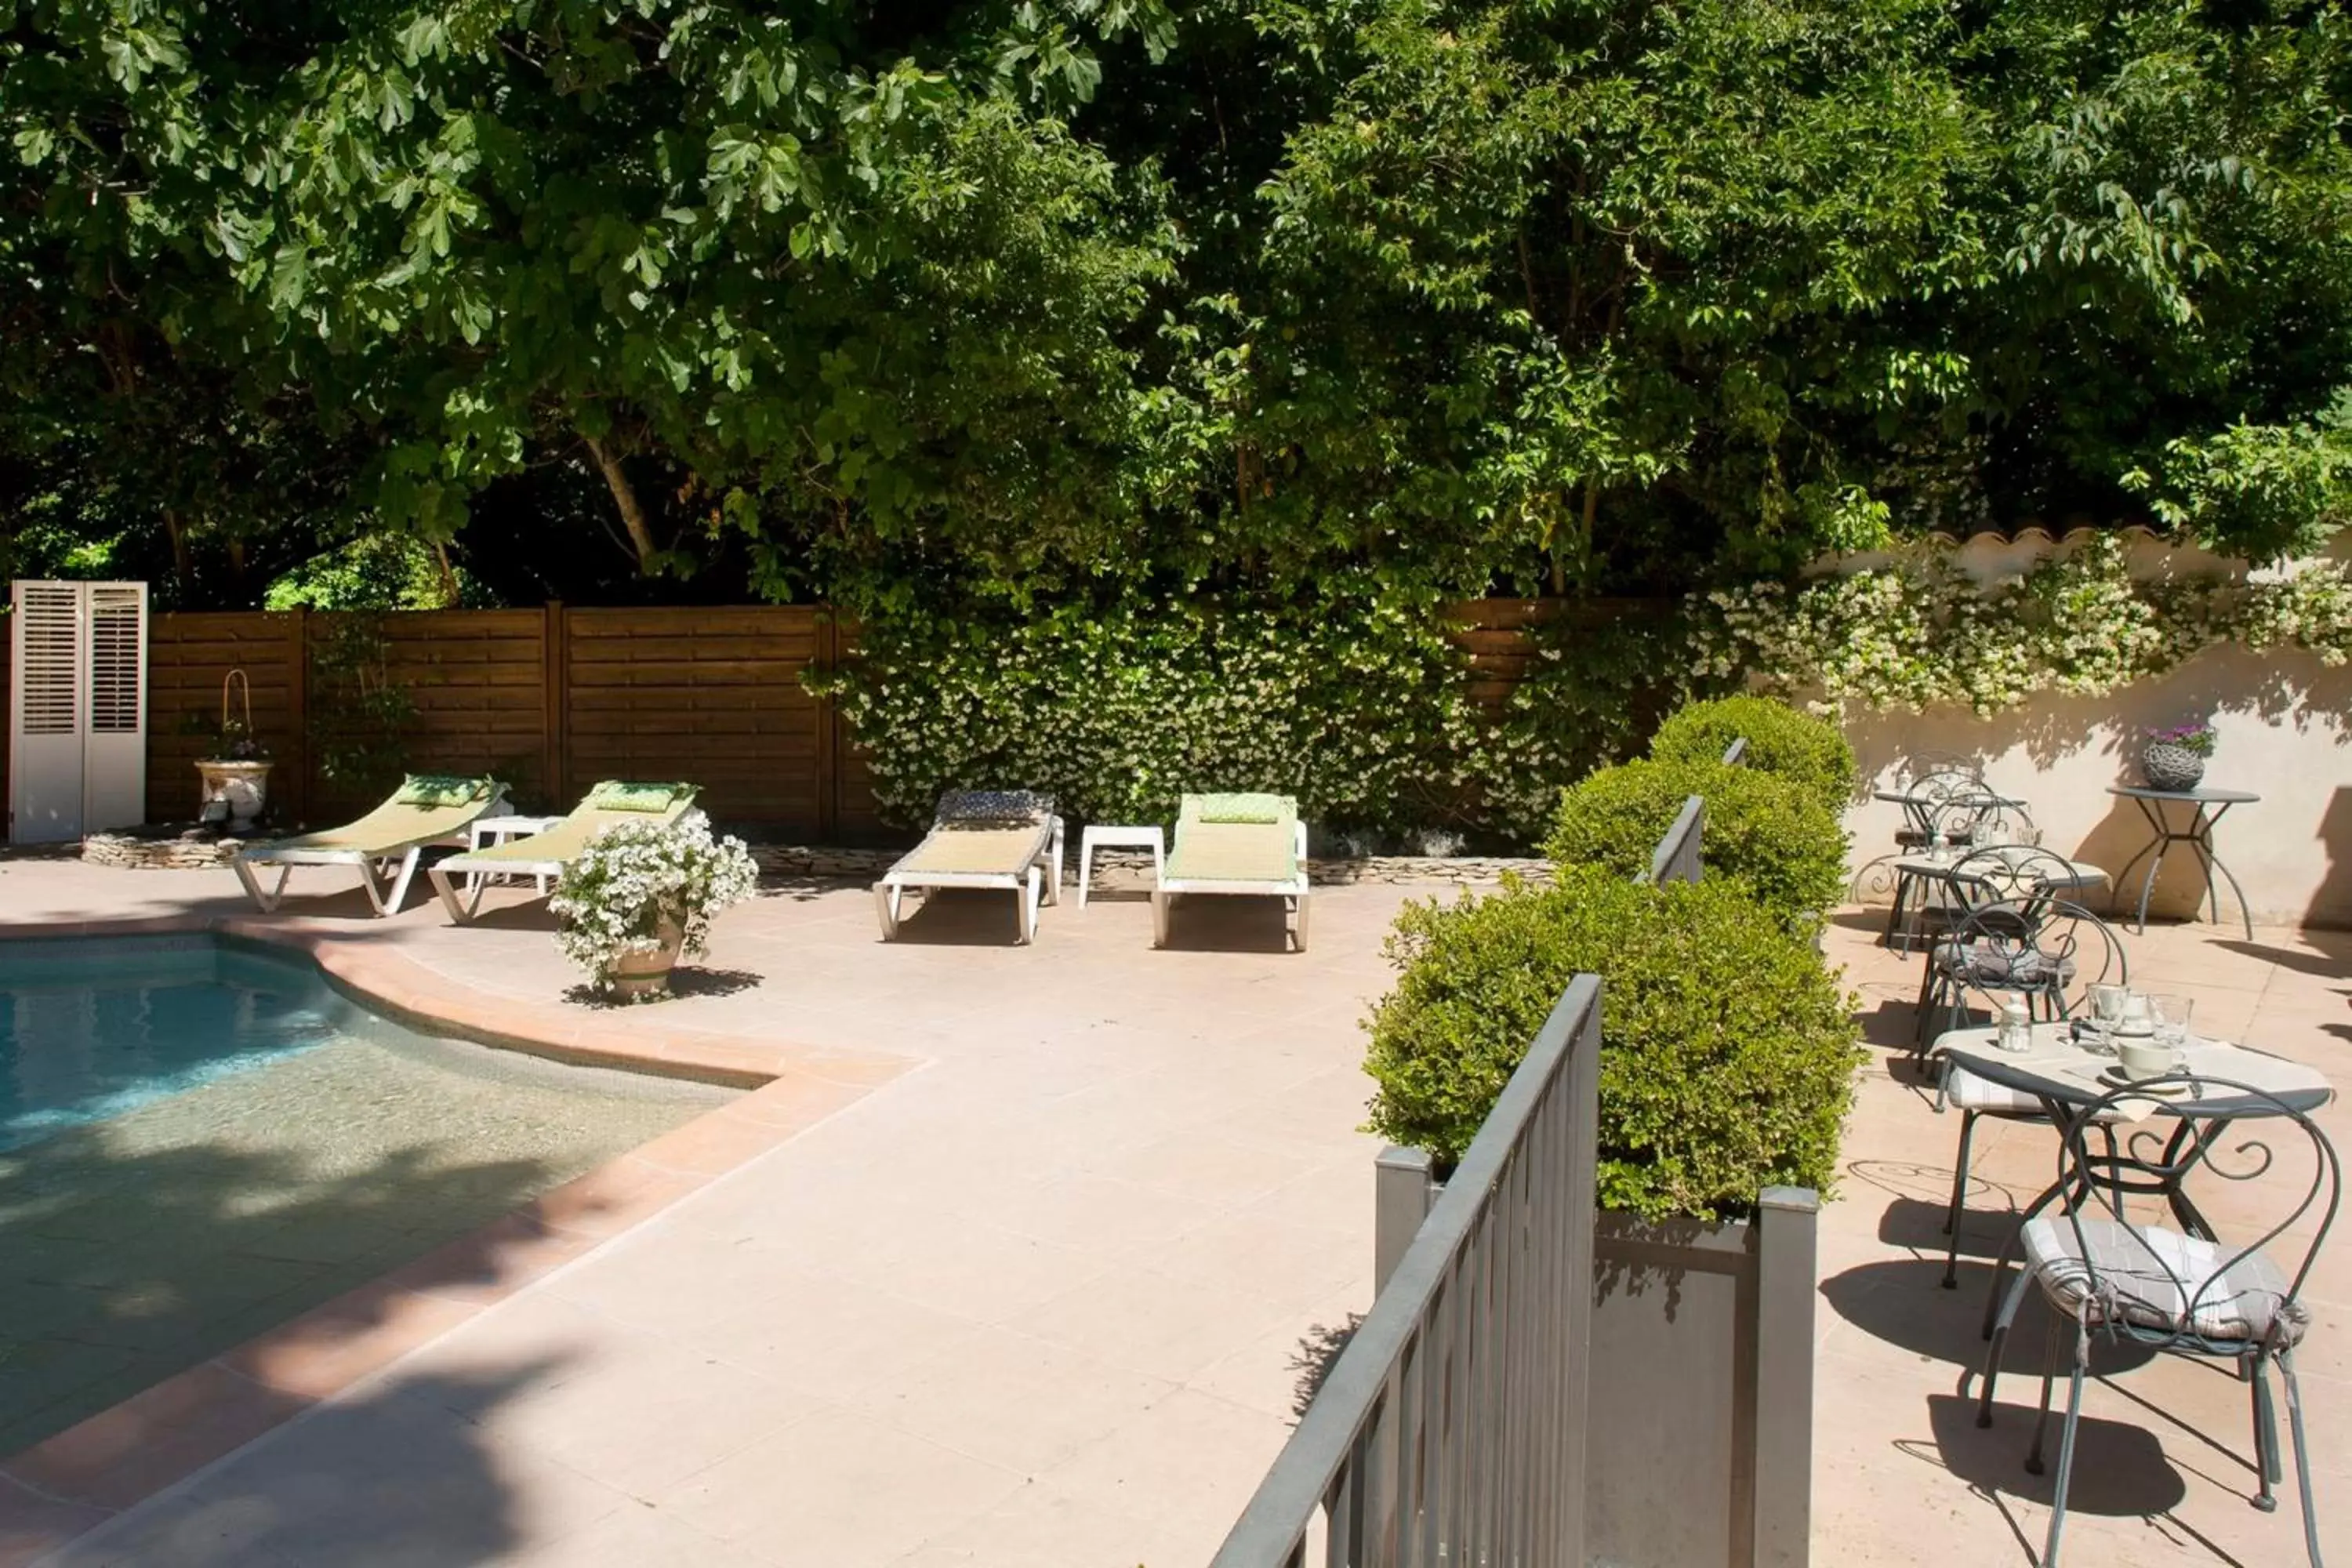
x,y
643,894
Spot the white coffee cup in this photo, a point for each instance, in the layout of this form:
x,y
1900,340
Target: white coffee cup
x,y
2141,1057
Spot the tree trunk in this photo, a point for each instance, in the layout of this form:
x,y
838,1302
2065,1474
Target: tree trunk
x,y
180,564
625,495
450,597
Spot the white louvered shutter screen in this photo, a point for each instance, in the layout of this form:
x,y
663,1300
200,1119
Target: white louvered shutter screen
x,y
49,677
78,737
116,659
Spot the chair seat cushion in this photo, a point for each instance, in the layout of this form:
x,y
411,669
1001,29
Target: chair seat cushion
x,y
1969,1092
2156,1278
1985,965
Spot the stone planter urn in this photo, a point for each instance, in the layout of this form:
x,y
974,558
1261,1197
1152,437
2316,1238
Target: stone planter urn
x,y
2170,767
640,976
233,792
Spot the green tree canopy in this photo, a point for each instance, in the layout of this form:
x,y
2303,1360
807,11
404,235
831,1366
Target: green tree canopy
x,y
911,300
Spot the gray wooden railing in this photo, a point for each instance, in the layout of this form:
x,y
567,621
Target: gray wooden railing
x,y
1451,1429
1676,857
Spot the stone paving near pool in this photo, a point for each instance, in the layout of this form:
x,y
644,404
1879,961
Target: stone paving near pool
x,y
1026,1258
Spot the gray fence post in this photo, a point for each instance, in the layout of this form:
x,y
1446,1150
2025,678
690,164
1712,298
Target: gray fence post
x,y
1787,1222
1400,1203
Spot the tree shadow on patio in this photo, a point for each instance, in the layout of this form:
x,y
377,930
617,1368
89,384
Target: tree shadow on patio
x,y
402,1476
1316,1355
137,1248
801,887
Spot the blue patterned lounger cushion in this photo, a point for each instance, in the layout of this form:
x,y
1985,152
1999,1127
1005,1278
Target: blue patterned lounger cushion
x,y
994,808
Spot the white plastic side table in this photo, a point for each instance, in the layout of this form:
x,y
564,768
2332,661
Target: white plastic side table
x,y
493,830
1105,837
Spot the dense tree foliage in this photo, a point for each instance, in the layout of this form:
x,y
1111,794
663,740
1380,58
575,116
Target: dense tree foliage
x,y
912,303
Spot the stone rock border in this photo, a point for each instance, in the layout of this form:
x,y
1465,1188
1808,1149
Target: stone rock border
x,y
134,852
1410,871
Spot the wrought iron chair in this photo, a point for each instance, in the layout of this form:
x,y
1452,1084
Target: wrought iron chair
x,y
2045,951
1953,810
1976,1097
2174,1292
2009,872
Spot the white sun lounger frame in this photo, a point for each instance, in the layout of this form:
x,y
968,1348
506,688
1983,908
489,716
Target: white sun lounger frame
x,y
1293,887
384,878
1039,882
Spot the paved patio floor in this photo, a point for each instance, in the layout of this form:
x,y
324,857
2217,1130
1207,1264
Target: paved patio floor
x,y
1047,1300
1052,1296
2164,1471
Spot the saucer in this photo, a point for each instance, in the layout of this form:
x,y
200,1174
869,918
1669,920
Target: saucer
x,y
2115,1077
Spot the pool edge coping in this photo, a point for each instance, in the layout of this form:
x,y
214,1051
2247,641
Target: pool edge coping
x,y
70,1484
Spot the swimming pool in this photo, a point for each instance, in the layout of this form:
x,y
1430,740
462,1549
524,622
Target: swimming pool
x,y
200,1140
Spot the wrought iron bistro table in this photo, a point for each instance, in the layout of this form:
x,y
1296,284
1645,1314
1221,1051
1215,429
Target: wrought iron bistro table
x,y
2206,808
1916,875
1923,810
1923,819
2065,1077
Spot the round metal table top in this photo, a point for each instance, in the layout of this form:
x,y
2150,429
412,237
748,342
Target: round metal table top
x,y
2202,796
2080,873
1945,798
2058,1069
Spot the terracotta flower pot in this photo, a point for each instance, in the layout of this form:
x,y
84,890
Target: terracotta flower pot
x,y
643,976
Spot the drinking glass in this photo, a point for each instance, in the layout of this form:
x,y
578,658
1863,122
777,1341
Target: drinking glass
x,y
2106,1013
2170,1014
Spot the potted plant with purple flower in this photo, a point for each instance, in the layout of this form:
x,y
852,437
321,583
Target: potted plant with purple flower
x,y
2174,758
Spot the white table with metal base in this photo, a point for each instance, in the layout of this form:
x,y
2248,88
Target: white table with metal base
x,y
1108,836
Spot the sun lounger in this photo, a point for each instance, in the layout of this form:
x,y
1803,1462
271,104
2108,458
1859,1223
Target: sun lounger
x,y
543,855
1246,844
981,838
382,846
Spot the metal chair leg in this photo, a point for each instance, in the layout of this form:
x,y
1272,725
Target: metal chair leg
x,y
1960,1191
2000,1327
1931,992
2065,1461
2301,1455
2049,1380
2267,1473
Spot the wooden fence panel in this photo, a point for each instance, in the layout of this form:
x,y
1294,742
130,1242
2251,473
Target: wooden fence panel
x,y
477,682
554,699
713,696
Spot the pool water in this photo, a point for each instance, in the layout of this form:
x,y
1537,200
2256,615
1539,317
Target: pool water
x,y
88,1031
200,1141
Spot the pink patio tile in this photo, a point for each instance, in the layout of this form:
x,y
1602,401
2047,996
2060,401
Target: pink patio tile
x,y
839,1490
32,1525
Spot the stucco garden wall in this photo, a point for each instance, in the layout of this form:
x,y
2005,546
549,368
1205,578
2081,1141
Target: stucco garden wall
x,y
2285,723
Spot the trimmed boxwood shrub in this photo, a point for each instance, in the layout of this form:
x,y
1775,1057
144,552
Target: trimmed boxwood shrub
x,y
1727,1049
1781,742
1773,836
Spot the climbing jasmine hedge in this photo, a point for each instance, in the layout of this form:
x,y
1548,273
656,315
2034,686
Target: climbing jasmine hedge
x,y
1358,703
1920,631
